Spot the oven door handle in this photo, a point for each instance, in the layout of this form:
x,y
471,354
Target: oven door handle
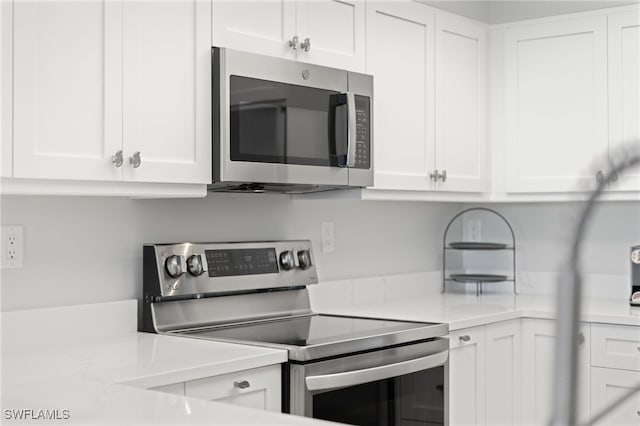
x,y
356,377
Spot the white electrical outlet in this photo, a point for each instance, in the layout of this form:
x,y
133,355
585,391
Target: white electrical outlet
x,y
12,246
328,240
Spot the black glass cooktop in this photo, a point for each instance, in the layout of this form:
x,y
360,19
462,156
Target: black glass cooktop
x,y
317,330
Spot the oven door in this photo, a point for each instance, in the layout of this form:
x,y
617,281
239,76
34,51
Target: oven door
x,y
393,386
286,122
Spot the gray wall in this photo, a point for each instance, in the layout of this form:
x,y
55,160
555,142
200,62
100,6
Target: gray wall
x,y
88,249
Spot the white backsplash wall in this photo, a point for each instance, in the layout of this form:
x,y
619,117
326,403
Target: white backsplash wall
x,y
88,249
543,235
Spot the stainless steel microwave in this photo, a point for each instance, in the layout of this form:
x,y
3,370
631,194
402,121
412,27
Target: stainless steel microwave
x,y
286,126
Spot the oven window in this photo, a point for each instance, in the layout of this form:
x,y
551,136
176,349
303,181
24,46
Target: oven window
x,y
273,122
413,399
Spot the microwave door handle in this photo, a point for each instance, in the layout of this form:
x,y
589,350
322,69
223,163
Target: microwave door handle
x,y
351,128
367,375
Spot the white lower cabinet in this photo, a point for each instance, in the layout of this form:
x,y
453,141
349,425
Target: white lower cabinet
x,y
539,341
615,370
467,378
258,388
504,378
484,375
609,385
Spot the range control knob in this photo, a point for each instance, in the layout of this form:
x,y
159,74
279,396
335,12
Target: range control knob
x,y
196,265
175,265
287,261
304,259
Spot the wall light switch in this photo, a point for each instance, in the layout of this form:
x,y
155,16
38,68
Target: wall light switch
x,y
473,230
12,246
328,240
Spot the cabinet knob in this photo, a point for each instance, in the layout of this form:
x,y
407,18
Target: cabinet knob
x,y
599,176
443,176
135,160
306,44
614,176
241,384
465,338
435,175
294,43
580,338
638,348
117,159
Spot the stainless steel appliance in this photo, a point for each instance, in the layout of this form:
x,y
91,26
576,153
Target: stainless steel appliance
x,y
634,300
286,126
346,369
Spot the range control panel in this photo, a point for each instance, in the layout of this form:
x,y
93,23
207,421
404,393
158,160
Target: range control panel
x,y
204,268
231,262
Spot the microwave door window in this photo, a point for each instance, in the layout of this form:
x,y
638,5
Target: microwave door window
x,y
273,122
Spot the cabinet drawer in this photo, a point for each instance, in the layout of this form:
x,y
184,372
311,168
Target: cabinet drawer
x,y
256,388
175,388
466,337
615,346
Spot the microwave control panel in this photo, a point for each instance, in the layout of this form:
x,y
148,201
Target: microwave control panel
x,y
363,133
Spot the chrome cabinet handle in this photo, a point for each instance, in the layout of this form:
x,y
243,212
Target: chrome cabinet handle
x,y
465,338
294,43
117,159
241,384
580,338
443,176
306,44
434,176
135,160
599,176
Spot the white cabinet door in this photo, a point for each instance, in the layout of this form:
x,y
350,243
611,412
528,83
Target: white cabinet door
x,y
263,27
609,385
67,83
336,33
257,388
400,55
538,357
624,91
467,377
167,90
503,373
461,103
556,105
6,89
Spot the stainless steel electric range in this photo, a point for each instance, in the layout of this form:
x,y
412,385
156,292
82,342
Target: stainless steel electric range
x,y
354,370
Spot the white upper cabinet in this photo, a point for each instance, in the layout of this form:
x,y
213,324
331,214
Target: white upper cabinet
x,y
263,27
335,31
67,87
624,91
108,90
167,91
400,56
430,98
556,105
323,32
461,104
6,89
